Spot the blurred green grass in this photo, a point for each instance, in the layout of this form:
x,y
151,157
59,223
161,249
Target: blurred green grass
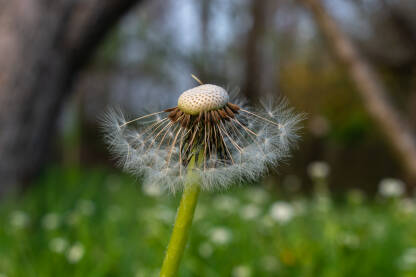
x,y
95,223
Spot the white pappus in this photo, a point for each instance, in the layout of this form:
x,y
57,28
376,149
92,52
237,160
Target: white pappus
x,y
230,142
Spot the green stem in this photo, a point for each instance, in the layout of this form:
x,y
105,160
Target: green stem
x,y
183,223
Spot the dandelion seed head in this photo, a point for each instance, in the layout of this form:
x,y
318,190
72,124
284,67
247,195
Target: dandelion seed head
x,y
202,98
391,187
229,141
58,245
75,253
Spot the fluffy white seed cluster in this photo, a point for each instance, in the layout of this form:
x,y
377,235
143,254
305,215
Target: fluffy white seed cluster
x,y
254,140
202,98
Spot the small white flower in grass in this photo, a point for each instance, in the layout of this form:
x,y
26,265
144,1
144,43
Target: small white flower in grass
x,y
58,245
73,218
356,196
236,143
19,219
75,253
257,195
407,206
205,249
220,235
391,188
269,263
299,207
408,259
165,214
226,203
86,207
241,271
318,170
250,211
282,212
51,221
114,213
349,240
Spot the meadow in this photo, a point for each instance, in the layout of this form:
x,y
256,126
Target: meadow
x,y
97,223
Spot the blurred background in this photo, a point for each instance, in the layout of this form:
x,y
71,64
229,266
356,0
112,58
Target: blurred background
x,y
344,204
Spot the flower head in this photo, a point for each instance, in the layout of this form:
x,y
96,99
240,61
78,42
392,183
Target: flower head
x,y
228,141
391,187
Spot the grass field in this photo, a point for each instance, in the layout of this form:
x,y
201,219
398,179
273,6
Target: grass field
x,y
93,223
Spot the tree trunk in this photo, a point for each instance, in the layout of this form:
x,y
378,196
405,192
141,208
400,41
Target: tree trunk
x,y
43,45
372,91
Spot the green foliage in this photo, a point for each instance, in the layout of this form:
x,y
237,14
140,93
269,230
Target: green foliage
x,y
94,223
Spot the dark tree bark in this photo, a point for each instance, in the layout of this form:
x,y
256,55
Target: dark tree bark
x,y
372,90
253,55
43,45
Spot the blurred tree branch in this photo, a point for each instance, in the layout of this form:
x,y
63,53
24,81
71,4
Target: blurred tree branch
x,y
44,44
372,91
253,55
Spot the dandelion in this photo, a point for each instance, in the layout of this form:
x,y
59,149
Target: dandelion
x,y
408,259
19,219
58,245
241,271
269,263
391,188
281,212
220,235
229,141
226,203
51,221
250,212
257,195
205,250
209,141
75,253
86,207
407,206
318,170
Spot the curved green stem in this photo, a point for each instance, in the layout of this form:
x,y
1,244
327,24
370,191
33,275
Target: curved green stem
x,y
183,223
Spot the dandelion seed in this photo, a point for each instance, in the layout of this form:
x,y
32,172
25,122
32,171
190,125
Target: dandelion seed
x,y
58,245
231,142
75,253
